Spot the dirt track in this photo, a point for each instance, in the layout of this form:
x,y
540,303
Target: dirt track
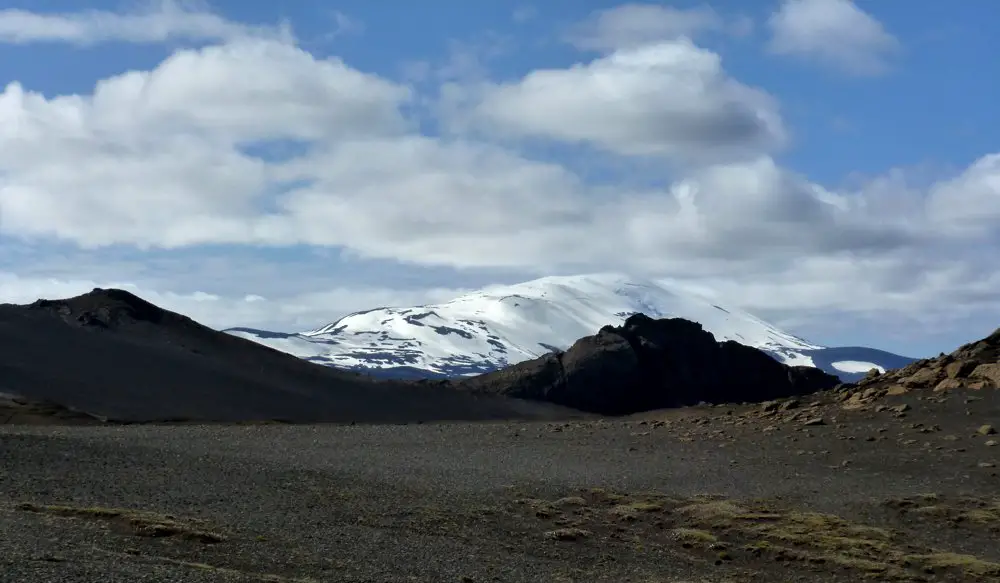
x,y
707,495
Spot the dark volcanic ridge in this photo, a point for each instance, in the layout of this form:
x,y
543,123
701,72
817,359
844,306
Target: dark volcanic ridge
x,y
648,364
117,356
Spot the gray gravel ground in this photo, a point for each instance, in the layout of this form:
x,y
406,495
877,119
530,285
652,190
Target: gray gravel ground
x,y
432,502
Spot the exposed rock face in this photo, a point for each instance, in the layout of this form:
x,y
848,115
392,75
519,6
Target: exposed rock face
x,y
106,308
974,366
650,364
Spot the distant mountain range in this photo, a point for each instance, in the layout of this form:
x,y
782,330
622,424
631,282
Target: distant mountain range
x,y
503,325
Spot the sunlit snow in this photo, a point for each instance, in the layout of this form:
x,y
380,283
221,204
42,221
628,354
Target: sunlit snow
x,y
856,366
503,325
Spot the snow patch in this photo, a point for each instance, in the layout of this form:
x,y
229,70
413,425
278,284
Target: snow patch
x,y
856,366
792,358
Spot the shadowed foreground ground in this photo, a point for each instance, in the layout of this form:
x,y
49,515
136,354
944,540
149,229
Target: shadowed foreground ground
x,y
908,492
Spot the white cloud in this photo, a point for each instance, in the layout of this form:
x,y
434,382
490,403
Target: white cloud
x,y
833,32
739,211
157,159
167,143
907,298
970,201
669,99
635,25
163,158
154,22
419,199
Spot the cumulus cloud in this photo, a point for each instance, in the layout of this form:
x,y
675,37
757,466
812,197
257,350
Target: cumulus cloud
x,y
153,22
162,159
184,155
669,99
908,298
969,202
634,25
742,211
108,167
833,32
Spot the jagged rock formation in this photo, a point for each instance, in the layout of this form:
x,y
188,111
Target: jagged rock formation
x,y
109,308
648,364
974,366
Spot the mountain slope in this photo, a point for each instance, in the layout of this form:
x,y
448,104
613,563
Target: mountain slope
x,y
112,354
504,325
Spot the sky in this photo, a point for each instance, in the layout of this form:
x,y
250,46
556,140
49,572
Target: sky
x,y
831,166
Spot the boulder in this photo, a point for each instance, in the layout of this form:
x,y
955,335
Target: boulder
x,y
924,378
960,369
648,364
988,372
948,384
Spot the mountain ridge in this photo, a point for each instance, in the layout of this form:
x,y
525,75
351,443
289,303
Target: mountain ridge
x,y
116,356
499,326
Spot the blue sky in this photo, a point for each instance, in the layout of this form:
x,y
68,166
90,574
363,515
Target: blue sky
x,y
824,164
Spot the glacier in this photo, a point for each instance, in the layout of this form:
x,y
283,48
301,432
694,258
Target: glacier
x,y
503,325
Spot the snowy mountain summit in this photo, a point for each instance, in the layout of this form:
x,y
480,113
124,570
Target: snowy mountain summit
x,y
503,325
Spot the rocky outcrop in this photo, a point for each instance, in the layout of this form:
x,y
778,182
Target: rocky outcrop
x,y
974,366
114,309
648,364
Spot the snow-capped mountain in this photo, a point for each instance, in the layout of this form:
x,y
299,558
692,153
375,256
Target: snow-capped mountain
x,y
503,325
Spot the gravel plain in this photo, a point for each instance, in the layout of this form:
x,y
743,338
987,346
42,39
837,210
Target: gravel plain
x,y
702,494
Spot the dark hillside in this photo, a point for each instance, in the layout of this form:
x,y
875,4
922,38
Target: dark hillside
x,y
112,354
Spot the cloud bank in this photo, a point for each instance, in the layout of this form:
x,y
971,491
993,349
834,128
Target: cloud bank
x,y
152,22
254,141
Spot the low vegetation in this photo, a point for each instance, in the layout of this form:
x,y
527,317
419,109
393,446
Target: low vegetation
x,y
138,523
725,531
